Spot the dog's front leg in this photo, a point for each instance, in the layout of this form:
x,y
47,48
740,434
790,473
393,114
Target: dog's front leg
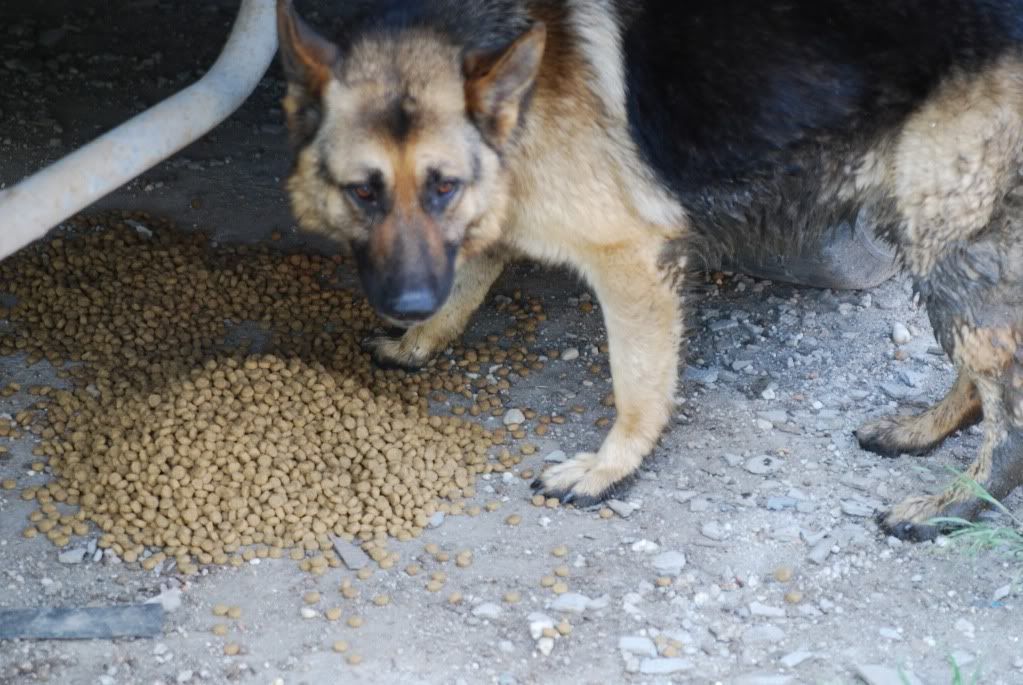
x,y
642,312
419,343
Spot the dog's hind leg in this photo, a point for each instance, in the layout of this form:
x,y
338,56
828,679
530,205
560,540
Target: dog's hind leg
x,y
642,312
421,342
892,436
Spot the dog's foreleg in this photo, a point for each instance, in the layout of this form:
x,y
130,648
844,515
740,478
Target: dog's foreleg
x,y
642,312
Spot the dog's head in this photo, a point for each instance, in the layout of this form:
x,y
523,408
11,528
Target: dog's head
x,y
398,140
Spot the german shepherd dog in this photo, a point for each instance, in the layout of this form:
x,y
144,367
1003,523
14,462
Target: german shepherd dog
x,y
627,138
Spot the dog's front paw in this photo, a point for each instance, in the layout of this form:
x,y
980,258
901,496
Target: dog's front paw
x,y
395,353
892,436
585,481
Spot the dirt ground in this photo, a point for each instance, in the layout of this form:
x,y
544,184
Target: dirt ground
x,y
773,371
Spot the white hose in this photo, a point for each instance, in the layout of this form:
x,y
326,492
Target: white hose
x,y
32,207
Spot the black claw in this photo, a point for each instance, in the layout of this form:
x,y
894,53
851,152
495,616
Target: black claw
x,y
874,444
910,532
537,484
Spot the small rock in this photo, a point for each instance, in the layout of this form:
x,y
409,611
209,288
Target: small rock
x,y
664,666
857,509
669,563
1001,593
545,645
556,457
763,466
820,552
571,602
701,376
437,520
514,417
758,609
794,659
352,555
763,635
781,503
965,627
72,556
763,679
623,509
570,354
637,645
713,530
308,612
487,610
538,623
184,677
882,675
890,634
169,598
901,334
645,547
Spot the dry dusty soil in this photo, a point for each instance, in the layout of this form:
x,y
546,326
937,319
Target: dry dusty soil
x,y
759,477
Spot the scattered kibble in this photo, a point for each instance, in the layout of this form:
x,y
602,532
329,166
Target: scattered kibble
x,y
560,588
234,612
513,520
381,600
512,597
354,659
355,621
783,574
311,597
219,629
333,614
340,646
232,649
560,551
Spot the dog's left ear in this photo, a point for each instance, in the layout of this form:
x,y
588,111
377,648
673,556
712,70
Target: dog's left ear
x,y
308,60
497,83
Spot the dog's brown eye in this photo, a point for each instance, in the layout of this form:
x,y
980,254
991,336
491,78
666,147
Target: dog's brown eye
x,y
364,193
446,187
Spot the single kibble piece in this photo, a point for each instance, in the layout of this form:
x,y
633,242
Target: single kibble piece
x,y
232,649
381,600
562,571
234,612
355,621
560,588
340,646
548,581
783,574
311,597
513,520
220,609
354,659
219,629
512,597
560,551
455,598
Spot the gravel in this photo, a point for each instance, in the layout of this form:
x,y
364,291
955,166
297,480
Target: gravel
x,y
669,563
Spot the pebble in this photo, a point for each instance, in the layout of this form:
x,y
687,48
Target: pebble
x,y
308,613
901,334
436,520
545,645
538,623
645,547
764,466
1001,593
574,603
857,509
767,634
701,376
352,555
556,457
762,679
713,530
637,645
882,675
487,610
965,627
72,556
570,354
890,634
664,666
781,503
669,563
514,417
623,509
794,659
758,609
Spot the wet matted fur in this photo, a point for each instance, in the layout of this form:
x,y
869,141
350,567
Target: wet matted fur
x,y
630,138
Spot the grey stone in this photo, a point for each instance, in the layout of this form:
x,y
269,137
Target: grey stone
x,y
766,634
72,556
857,509
664,666
781,503
897,391
763,679
637,645
758,609
890,634
713,530
701,376
723,325
570,354
571,602
764,465
794,659
882,675
514,417
556,457
623,509
912,378
820,552
901,334
436,520
487,610
1001,593
669,563
352,556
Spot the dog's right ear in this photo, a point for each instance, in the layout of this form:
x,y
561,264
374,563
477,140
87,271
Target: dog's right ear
x,y
308,60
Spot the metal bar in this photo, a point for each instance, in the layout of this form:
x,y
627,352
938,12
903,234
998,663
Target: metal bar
x,y
32,207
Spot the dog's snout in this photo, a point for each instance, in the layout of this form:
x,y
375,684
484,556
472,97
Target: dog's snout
x,y
415,304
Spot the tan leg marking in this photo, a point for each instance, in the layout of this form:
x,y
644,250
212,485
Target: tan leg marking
x,y
895,435
642,312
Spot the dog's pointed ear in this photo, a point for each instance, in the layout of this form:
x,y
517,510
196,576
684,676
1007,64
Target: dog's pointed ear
x,y
496,83
308,58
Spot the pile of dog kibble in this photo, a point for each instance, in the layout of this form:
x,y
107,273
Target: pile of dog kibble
x,y
181,438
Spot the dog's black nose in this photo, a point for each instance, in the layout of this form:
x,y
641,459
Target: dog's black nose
x,y
416,304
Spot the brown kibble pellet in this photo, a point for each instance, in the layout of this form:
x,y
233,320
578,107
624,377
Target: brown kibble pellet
x,y
413,569
783,574
355,621
333,614
548,581
232,649
455,598
560,588
434,586
513,520
364,573
311,597
219,629
564,628
381,600
539,500
464,559
606,513
562,571
220,609
234,612
354,659
340,646
493,506
560,551
794,597
664,581
512,597
9,484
